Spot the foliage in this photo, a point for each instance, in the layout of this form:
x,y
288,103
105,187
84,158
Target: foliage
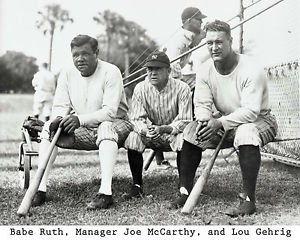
x,y
51,18
16,72
125,43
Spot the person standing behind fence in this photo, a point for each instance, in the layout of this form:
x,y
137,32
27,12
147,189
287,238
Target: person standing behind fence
x,y
189,36
44,83
238,88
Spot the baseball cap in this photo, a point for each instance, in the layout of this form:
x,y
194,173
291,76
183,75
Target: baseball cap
x,y
192,12
157,59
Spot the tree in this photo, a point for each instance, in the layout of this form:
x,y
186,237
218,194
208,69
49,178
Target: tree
x,y
53,17
124,42
16,72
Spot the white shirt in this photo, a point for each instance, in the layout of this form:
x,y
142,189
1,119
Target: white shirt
x,y
97,98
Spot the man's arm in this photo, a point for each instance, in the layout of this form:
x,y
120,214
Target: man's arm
x,y
61,102
203,98
185,114
253,90
138,114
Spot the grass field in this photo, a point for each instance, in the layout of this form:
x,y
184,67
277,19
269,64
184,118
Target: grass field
x,y
76,178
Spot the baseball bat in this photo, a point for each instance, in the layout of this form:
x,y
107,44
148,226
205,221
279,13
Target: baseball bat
x,y
201,181
149,159
33,187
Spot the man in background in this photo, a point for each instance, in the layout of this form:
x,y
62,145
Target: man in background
x,y
44,83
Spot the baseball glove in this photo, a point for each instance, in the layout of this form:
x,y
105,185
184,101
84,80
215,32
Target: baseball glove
x,y
33,125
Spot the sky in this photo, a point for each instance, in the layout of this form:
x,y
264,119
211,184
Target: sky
x,y
161,19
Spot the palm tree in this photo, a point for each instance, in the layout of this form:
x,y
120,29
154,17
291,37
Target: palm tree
x,y
51,18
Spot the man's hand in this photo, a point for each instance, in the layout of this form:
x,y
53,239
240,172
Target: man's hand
x,y
153,132
70,123
209,129
55,124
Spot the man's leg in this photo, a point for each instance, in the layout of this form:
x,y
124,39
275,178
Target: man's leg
x,y
249,159
247,139
160,159
135,147
108,151
188,164
135,160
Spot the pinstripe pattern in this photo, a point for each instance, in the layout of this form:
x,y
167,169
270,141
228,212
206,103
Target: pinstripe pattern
x,y
260,132
172,106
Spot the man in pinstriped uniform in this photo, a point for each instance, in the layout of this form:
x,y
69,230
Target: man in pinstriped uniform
x,y
95,93
238,88
188,36
161,108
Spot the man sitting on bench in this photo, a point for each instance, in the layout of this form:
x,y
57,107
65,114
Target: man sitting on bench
x,y
238,88
94,90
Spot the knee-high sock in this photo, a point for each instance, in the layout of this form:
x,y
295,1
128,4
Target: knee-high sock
x,y
135,160
159,156
190,159
43,148
249,159
178,162
108,151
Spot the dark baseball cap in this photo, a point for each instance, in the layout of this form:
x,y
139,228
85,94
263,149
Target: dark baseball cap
x,y
192,12
157,59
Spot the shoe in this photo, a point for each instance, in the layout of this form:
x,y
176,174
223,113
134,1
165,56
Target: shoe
x,y
39,199
100,201
135,192
165,164
245,208
179,202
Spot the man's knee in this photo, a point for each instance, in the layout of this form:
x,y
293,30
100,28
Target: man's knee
x,y
134,142
189,133
106,132
247,134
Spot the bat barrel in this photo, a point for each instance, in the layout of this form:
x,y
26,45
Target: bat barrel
x,y
201,181
33,187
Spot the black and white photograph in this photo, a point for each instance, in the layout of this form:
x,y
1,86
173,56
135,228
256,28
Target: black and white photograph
x,y
129,119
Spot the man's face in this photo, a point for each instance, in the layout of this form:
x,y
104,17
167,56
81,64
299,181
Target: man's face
x,y
219,45
195,24
158,76
84,59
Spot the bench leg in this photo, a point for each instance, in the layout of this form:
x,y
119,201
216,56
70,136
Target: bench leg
x,y
24,167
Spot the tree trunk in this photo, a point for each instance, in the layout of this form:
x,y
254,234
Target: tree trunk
x,y
50,49
126,61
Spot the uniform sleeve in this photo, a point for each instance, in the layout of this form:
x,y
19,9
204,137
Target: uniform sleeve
x,y
112,95
203,98
61,102
138,116
253,89
173,50
184,111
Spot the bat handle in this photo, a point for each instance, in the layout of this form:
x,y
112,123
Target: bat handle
x,y
149,159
